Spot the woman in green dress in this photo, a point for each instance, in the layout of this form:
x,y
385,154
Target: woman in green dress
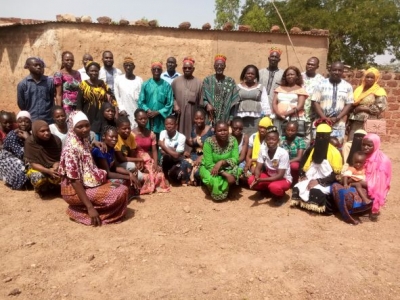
x,y
219,167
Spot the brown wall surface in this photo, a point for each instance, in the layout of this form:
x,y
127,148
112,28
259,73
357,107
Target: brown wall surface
x,y
144,44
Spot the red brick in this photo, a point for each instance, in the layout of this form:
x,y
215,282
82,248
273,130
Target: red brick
x,y
392,99
395,92
393,106
386,138
391,123
397,76
391,83
395,115
387,76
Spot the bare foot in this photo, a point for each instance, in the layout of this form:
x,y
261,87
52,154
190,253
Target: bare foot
x,y
229,177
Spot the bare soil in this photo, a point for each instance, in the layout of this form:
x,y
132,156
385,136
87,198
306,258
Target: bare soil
x,y
181,245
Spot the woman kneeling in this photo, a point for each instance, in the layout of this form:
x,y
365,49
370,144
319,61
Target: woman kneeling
x,y
91,200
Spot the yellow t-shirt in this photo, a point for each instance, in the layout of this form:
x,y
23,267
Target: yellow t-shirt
x,y
126,145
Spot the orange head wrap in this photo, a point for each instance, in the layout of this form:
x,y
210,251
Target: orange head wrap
x,y
275,49
128,59
220,57
189,60
156,62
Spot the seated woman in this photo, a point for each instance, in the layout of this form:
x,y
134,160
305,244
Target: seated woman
x,y
352,146
241,138
200,133
92,200
6,125
378,173
255,142
106,161
43,153
219,167
60,127
172,145
153,177
125,149
275,160
12,165
319,169
295,146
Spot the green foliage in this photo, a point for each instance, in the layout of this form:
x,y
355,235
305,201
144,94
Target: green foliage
x,y
254,14
226,11
358,29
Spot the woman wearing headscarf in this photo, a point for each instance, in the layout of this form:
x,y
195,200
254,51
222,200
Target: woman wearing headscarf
x,y
351,147
92,201
42,153
220,92
318,171
378,171
92,94
370,100
12,165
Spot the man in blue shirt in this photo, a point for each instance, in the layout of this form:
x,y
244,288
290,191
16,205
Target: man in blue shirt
x,y
35,93
171,73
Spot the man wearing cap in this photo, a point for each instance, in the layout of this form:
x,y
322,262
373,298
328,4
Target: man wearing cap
x,y
171,73
157,99
188,97
271,76
35,93
108,73
127,90
319,166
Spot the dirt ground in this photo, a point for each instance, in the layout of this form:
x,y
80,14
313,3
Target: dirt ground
x,y
181,245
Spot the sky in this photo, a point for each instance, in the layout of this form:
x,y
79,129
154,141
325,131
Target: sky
x,y
169,13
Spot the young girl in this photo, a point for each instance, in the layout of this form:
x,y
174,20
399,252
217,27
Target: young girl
x,y
242,139
125,149
276,179
60,127
106,161
154,179
355,176
6,125
200,133
172,145
42,153
295,146
107,118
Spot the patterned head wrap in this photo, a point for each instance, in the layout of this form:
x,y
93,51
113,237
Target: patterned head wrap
x,y
188,60
156,62
220,57
275,49
129,60
272,129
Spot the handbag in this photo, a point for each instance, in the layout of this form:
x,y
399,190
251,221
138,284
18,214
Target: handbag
x,y
301,128
377,126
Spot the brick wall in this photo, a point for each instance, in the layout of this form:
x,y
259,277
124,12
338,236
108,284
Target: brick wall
x,y
391,83
50,39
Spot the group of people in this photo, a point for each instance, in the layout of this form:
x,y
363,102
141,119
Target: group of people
x,y
101,138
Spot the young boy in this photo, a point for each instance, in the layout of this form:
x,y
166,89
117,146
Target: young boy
x,y
277,178
355,176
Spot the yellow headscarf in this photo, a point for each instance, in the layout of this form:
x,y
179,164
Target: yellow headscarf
x,y
333,155
264,122
374,89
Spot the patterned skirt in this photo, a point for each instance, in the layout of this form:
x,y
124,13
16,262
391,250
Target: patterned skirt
x,y
41,181
12,170
110,200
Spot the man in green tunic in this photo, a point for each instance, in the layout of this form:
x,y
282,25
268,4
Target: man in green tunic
x,y
157,99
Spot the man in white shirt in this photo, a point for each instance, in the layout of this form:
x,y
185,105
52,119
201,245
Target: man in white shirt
x,y
108,73
86,57
171,73
127,90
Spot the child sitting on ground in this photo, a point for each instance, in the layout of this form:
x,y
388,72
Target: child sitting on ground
x,y
242,140
355,176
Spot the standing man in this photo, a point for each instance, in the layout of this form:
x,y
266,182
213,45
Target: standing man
x,y
127,90
35,93
333,99
108,73
86,57
188,97
311,80
271,76
171,73
157,99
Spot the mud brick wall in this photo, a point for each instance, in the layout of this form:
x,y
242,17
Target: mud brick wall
x,y
391,83
48,40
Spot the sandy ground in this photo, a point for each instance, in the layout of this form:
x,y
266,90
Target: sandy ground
x,y
181,245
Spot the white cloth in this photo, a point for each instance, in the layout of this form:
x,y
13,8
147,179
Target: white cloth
x,y
102,75
316,171
280,161
54,130
127,94
80,116
168,78
24,114
177,142
84,75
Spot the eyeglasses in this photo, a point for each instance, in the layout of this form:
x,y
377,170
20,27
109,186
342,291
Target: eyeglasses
x,y
187,68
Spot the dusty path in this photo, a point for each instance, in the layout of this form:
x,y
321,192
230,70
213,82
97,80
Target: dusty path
x,y
183,246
